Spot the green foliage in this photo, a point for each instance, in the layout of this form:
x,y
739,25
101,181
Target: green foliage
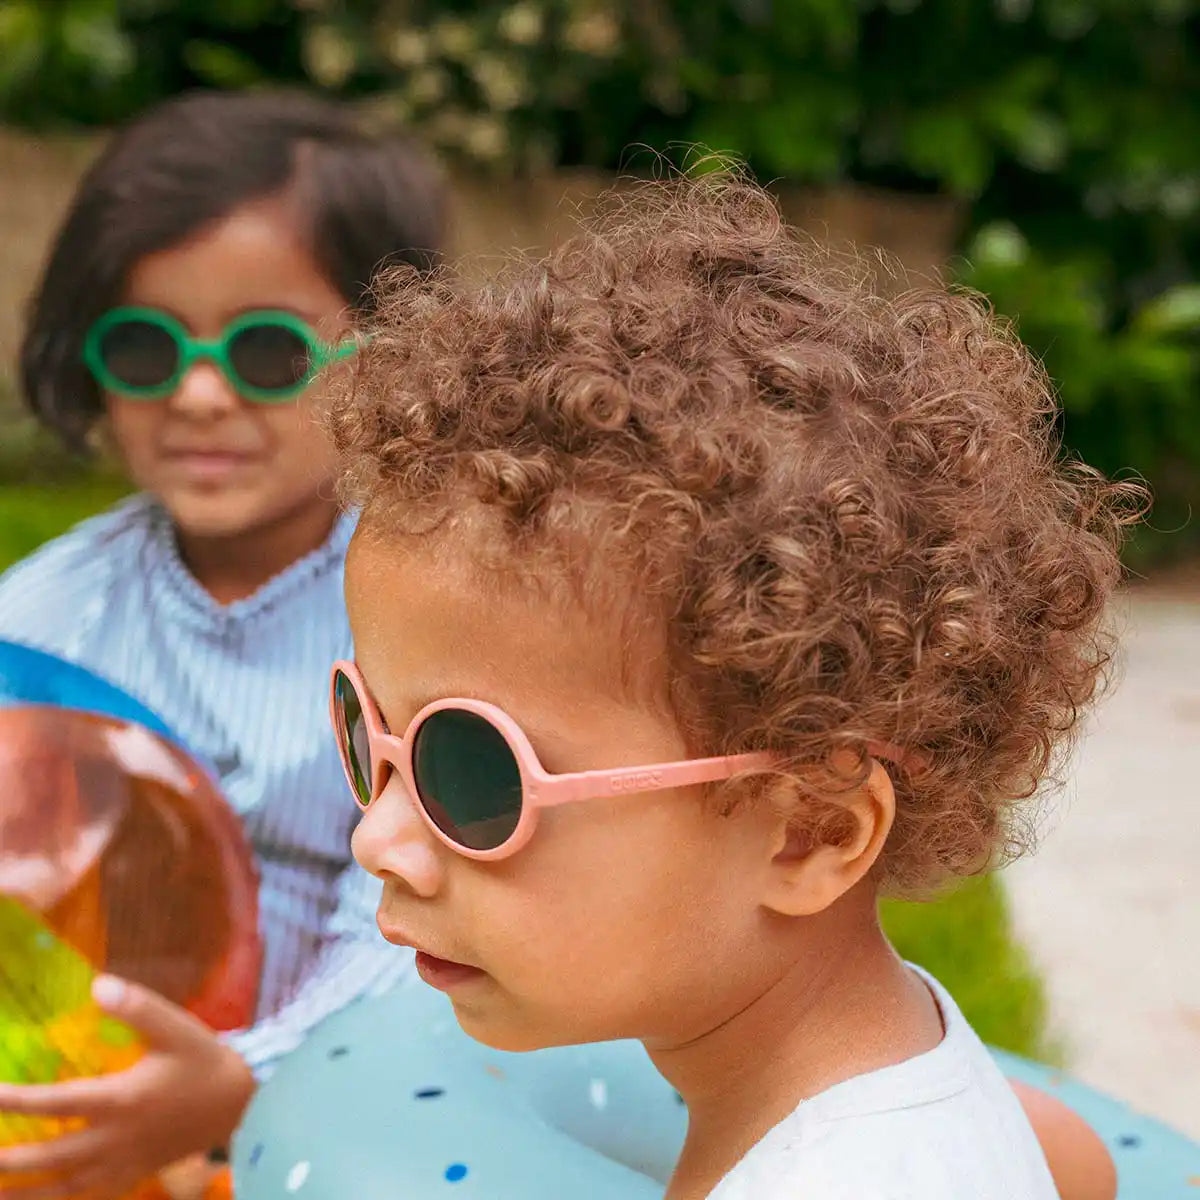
x,y
31,513
1129,383
1069,127
94,62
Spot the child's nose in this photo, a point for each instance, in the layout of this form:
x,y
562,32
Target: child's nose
x,y
204,393
394,843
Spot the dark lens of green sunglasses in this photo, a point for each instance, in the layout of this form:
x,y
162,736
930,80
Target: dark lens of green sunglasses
x,y
352,734
467,779
139,355
270,357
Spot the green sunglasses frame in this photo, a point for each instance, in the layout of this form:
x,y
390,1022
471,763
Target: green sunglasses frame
x,y
216,350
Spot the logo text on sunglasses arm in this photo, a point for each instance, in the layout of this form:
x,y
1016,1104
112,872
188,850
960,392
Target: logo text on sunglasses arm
x,y
636,781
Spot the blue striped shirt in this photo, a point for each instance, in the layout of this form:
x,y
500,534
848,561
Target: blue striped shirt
x,y
244,686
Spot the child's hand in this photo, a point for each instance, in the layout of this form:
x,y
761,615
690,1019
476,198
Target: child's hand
x,y
187,1094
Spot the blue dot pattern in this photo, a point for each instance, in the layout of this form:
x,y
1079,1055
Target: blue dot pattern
x,y
1153,1162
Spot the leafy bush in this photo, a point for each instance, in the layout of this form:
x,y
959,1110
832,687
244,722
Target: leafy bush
x,y
1070,127
30,513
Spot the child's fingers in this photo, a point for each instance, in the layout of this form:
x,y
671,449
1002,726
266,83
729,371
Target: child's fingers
x,y
63,1188
65,1153
193,1178
93,1097
163,1025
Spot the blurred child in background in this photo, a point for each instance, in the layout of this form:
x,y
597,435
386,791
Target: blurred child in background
x,y
204,277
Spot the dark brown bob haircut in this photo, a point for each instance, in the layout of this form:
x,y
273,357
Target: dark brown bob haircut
x,y
848,510
368,202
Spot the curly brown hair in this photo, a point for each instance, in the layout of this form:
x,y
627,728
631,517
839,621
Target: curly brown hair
x,y
849,508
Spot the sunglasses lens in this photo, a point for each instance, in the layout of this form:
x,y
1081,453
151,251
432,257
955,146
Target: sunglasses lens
x,y
139,355
467,779
270,357
351,729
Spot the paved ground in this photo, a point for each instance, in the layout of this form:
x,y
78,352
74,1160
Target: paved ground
x,y
1110,906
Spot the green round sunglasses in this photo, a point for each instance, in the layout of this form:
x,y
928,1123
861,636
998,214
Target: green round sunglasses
x,y
269,356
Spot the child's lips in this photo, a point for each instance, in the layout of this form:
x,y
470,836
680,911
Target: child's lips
x,y
443,973
438,972
207,465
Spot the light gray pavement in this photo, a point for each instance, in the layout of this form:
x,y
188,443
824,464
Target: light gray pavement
x,y
1110,905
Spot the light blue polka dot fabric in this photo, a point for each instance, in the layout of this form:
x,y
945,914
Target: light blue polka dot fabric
x,y
389,1100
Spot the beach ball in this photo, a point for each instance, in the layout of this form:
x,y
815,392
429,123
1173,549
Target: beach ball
x,y
29,676
120,855
50,1029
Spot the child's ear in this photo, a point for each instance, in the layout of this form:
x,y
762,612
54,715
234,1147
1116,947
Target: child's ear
x,y
804,877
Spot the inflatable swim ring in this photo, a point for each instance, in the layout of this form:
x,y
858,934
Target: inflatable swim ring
x,y
390,1100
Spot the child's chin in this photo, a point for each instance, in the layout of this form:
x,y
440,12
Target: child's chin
x,y
514,1035
215,514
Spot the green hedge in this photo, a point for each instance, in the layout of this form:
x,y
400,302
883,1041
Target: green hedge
x,y
1070,127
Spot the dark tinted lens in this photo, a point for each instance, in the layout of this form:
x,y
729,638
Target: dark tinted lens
x,y
269,357
467,779
352,736
139,354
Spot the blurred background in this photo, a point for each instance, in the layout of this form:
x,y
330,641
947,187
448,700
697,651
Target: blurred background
x,y
1046,152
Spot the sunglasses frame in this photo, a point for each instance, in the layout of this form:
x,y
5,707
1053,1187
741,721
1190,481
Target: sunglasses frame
x,y
539,788
192,350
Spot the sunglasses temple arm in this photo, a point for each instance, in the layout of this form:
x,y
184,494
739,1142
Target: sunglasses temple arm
x,y
590,785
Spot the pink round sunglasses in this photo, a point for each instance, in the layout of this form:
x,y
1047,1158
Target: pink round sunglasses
x,y
474,776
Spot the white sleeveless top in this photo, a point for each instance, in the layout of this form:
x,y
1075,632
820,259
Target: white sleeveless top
x,y
944,1125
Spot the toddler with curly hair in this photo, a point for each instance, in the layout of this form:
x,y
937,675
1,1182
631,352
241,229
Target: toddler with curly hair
x,y
701,595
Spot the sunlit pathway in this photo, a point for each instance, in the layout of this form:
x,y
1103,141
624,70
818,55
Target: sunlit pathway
x,y
1110,906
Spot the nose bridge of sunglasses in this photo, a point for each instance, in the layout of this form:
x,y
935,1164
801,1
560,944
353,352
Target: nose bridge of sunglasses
x,y
204,376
